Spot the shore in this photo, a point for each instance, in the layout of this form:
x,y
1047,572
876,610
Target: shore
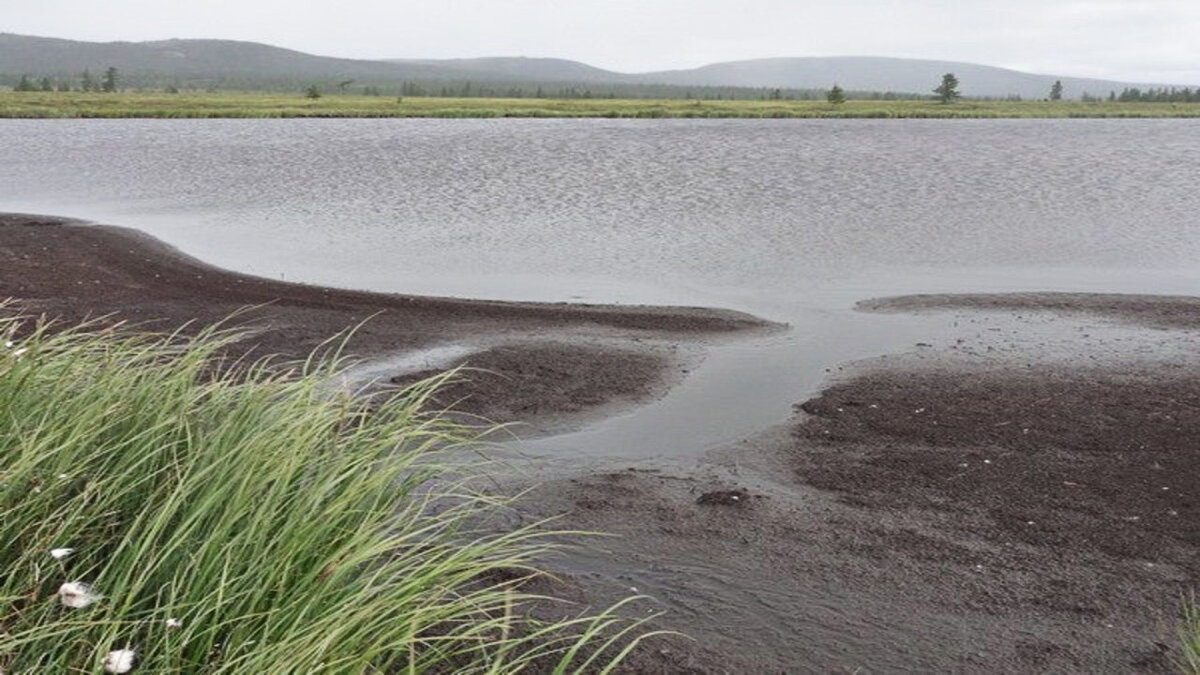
x,y
543,364
199,105
1020,494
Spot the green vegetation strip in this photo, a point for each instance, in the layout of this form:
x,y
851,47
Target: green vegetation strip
x,y
160,513
255,105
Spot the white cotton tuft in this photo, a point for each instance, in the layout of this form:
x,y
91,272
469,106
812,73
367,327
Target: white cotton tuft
x,y
59,554
174,624
119,661
76,595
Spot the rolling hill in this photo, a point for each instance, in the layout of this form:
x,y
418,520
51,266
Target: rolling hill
x,y
229,64
873,73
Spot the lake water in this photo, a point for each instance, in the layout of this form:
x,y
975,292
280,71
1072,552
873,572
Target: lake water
x,y
792,220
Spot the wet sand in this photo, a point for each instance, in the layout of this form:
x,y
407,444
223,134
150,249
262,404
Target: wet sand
x,y
1021,494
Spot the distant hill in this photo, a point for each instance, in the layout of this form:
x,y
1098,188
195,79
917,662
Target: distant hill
x,y
527,69
874,73
191,59
229,64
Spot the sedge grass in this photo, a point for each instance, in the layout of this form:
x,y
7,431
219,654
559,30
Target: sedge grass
x,y
1189,637
249,522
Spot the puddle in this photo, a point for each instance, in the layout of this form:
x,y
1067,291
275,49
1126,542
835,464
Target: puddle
x,y
739,389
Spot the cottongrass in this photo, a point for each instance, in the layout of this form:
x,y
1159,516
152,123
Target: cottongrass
x,y
246,520
76,595
119,661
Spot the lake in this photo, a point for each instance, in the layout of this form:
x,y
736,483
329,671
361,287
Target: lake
x,y
793,220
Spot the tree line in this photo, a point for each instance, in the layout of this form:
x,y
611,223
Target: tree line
x,y
87,82
112,80
946,92
470,89
1163,95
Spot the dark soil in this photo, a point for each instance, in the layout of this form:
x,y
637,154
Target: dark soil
x,y
933,512
1077,462
71,272
1146,310
543,381
738,497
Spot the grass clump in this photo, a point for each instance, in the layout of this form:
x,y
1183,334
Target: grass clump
x,y
1189,638
249,522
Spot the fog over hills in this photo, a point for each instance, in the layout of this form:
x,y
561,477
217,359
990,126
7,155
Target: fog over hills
x,y
230,64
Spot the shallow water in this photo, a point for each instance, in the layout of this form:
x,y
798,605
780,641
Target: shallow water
x,y
793,220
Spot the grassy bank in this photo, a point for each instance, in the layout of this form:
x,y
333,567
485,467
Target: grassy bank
x,y
250,524
252,105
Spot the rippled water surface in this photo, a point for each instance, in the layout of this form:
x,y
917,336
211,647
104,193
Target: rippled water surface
x,y
740,213
791,220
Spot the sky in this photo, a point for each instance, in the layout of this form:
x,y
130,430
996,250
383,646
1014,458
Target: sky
x,y
1151,41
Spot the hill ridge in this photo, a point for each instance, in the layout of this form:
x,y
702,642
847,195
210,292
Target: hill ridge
x,y
223,63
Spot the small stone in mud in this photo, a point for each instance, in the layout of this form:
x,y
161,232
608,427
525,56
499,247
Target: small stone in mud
x,y
724,497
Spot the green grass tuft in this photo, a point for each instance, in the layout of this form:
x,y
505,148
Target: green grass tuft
x,y
1189,638
286,528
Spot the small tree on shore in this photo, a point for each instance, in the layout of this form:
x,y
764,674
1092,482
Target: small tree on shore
x,y
87,82
109,84
313,92
947,92
836,95
1056,90
25,84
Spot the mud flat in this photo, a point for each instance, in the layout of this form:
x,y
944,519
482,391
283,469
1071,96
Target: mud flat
x,y
1018,492
565,361
1021,494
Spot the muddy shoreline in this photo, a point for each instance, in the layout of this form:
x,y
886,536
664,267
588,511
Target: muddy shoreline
x,y
1019,494
72,271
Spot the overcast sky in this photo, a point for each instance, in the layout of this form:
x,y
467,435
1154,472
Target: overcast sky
x,y
1131,40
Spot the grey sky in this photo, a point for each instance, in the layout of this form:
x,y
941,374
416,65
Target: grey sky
x,y
1133,40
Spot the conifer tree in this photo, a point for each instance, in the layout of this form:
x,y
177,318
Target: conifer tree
x,y
948,91
111,76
